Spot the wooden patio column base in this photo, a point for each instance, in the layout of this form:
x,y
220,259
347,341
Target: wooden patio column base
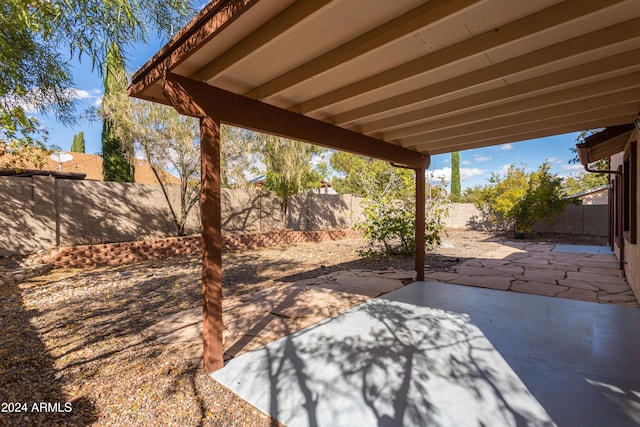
x,y
420,219
211,244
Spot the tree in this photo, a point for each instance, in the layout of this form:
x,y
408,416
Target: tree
x,y
239,154
167,140
359,175
456,193
388,221
289,168
519,199
584,181
78,143
472,194
40,38
117,149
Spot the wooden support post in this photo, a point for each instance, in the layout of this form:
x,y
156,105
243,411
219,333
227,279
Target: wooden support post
x,y
211,244
210,213
420,220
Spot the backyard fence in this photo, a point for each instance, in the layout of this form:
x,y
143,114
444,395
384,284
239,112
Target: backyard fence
x,y
589,220
43,212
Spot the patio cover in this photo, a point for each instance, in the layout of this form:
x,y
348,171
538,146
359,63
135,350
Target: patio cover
x,y
395,80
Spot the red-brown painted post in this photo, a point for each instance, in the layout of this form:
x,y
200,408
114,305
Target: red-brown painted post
x,y
211,244
420,219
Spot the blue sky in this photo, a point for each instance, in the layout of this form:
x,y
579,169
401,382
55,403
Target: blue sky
x,y
476,165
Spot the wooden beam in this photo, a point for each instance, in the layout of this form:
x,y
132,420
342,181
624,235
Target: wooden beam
x,y
625,62
558,52
248,113
534,134
420,223
529,108
293,17
412,21
210,212
524,27
523,120
569,119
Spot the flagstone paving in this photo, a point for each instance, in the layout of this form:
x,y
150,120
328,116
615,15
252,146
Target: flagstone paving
x,y
535,268
253,320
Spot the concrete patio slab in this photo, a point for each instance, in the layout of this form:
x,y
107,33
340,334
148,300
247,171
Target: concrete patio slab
x,y
430,354
583,249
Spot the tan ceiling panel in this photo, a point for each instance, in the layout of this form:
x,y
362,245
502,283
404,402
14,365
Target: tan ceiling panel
x,y
524,119
530,135
569,121
616,89
434,76
612,66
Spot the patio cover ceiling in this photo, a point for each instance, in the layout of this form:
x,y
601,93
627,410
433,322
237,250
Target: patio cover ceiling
x,y
426,77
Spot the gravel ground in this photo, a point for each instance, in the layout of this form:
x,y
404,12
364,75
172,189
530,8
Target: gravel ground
x,y
75,336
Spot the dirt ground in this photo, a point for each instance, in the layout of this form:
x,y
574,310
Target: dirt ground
x,y
75,336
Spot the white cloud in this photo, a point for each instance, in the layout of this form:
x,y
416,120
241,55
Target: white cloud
x,y
79,93
480,158
506,147
31,102
434,177
466,162
552,159
93,94
505,168
471,172
572,168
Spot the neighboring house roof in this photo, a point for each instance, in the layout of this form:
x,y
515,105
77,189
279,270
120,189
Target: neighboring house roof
x,y
590,192
91,166
144,174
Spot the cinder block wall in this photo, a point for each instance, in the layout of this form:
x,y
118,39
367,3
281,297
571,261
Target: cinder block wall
x,y
461,215
43,212
589,220
575,219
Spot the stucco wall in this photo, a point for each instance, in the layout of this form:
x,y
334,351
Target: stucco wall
x,y
631,251
599,198
575,219
43,212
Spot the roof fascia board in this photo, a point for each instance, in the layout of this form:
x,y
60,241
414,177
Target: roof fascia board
x,y
601,140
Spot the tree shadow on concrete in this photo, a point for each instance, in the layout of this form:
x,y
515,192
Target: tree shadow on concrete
x,y
397,367
28,374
